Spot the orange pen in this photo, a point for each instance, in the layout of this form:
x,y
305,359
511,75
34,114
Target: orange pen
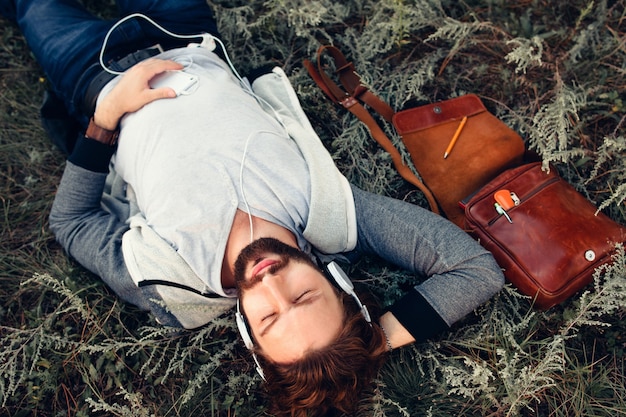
x,y
455,137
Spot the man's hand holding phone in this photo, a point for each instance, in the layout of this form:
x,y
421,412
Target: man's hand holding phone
x,y
133,91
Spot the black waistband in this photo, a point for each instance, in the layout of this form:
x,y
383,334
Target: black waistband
x,y
88,104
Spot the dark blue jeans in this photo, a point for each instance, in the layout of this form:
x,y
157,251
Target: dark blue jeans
x,y
66,39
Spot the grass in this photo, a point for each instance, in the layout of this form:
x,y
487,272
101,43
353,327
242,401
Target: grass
x,y
553,70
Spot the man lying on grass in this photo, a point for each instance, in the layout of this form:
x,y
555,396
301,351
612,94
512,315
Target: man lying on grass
x,y
192,188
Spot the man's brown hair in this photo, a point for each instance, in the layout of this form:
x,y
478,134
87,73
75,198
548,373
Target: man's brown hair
x,y
330,380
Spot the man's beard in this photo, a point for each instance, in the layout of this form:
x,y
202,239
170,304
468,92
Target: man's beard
x,y
265,246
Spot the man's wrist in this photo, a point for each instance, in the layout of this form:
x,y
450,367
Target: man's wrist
x,y
100,134
394,331
92,155
417,316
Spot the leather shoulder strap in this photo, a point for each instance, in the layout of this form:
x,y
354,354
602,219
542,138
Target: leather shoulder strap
x,y
349,79
349,99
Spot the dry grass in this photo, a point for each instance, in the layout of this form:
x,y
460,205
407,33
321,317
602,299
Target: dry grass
x,y
70,348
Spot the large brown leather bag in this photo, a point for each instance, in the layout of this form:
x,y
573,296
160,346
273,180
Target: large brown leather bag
x,y
555,238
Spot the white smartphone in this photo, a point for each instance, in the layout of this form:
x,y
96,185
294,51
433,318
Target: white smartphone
x,y
179,81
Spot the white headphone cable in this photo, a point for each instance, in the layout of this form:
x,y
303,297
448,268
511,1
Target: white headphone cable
x,y
207,40
241,171
241,188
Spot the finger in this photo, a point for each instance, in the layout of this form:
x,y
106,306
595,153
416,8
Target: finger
x,y
159,93
155,66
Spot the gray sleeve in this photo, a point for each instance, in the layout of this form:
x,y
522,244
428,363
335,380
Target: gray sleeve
x,y
90,234
458,273
461,274
90,225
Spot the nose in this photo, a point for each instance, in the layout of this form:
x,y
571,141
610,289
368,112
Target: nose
x,y
274,286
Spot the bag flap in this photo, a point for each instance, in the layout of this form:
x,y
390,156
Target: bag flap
x,y
423,117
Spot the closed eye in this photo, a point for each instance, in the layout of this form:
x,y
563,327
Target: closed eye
x,y
301,296
269,316
306,297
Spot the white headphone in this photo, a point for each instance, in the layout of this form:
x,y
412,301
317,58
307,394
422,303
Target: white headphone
x,y
340,278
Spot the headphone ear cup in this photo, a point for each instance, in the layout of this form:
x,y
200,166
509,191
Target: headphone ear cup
x,y
347,286
242,326
243,329
340,277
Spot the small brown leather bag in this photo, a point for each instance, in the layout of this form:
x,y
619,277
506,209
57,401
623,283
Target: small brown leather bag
x,y
478,145
550,243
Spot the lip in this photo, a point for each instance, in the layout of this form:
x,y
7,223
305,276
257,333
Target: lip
x,y
262,265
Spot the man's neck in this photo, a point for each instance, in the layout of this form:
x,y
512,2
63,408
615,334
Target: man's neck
x,y
239,238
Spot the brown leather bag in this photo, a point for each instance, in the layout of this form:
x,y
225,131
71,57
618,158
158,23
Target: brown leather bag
x,y
555,238
483,145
